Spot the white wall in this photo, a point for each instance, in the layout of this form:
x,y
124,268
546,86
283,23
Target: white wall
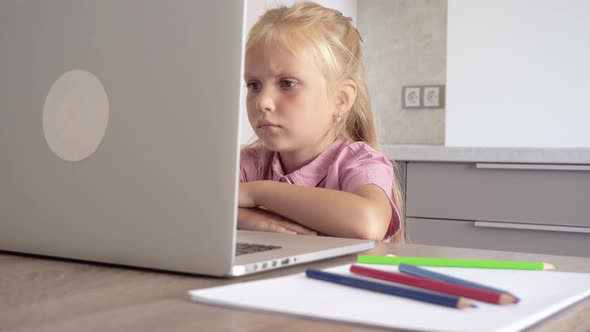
x,y
255,8
518,73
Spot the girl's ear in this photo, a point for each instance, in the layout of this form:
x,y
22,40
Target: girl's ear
x,y
346,97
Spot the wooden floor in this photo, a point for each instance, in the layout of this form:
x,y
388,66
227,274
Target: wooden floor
x,y
41,294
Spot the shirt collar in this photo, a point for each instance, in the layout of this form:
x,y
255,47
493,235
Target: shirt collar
x,y
311,174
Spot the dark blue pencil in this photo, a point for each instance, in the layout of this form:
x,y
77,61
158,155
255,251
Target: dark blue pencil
x,y
440,299
424,273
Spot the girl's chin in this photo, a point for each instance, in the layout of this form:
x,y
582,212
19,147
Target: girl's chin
x,y
274,144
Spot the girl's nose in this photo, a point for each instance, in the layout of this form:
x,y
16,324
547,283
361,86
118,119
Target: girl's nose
x,y
265,102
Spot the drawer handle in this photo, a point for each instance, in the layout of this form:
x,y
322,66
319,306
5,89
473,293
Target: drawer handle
x,y
536,227
539,167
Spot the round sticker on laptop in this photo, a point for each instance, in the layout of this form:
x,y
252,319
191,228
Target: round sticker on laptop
x,y
75,115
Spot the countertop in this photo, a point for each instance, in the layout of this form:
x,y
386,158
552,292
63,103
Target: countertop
x,y
441,153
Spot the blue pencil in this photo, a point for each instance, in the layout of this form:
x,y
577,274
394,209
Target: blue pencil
x,y
424,273
440,299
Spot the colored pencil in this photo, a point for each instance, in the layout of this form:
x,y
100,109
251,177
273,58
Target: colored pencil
x,y
455,262
435,285
424,273
439,299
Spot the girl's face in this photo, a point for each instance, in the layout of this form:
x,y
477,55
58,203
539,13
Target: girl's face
x,y
288,104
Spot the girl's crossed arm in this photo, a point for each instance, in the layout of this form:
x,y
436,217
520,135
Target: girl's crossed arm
x,y
259,219
364,213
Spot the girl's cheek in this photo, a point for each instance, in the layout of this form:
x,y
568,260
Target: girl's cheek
x,y
293,102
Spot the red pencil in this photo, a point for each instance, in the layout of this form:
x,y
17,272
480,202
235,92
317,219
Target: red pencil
x,y
435,285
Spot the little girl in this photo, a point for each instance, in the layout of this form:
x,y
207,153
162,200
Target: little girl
x,y
315,168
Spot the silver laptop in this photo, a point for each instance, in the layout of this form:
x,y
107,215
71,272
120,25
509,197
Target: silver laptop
x,y
119,138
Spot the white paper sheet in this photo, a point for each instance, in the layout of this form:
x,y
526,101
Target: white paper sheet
x,y
542,293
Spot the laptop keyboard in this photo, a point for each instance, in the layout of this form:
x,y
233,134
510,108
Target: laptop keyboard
x,y
248,248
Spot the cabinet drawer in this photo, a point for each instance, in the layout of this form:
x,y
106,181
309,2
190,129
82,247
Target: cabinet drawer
x,y
520,193
456,233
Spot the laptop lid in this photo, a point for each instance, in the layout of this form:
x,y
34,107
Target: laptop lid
x,y
119,131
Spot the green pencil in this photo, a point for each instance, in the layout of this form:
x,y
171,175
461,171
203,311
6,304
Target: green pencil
x,y
455,262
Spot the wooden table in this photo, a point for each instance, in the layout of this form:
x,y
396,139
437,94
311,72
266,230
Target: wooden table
x,y
40,294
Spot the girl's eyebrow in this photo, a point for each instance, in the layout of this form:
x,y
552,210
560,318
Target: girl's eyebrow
x,y
281,74
291,74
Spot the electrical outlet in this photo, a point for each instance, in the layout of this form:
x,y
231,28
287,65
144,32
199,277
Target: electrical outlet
x,y
433,96
411,97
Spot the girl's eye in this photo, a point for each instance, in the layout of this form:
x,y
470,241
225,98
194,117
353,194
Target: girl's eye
x,y
288,84
253,85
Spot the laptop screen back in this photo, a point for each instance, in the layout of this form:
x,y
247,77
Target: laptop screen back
x,y
119,131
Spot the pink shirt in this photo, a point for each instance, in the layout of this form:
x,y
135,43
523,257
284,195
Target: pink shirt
x,y
342,166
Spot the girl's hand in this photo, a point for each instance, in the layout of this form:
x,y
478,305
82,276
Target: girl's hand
x,y
257,219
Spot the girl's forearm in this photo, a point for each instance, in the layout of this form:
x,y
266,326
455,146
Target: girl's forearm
x,y
331,212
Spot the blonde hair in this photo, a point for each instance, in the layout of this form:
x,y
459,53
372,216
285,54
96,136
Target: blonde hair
x,y
336,46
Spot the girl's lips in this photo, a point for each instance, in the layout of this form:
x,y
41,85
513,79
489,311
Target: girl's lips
x,y
265,123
